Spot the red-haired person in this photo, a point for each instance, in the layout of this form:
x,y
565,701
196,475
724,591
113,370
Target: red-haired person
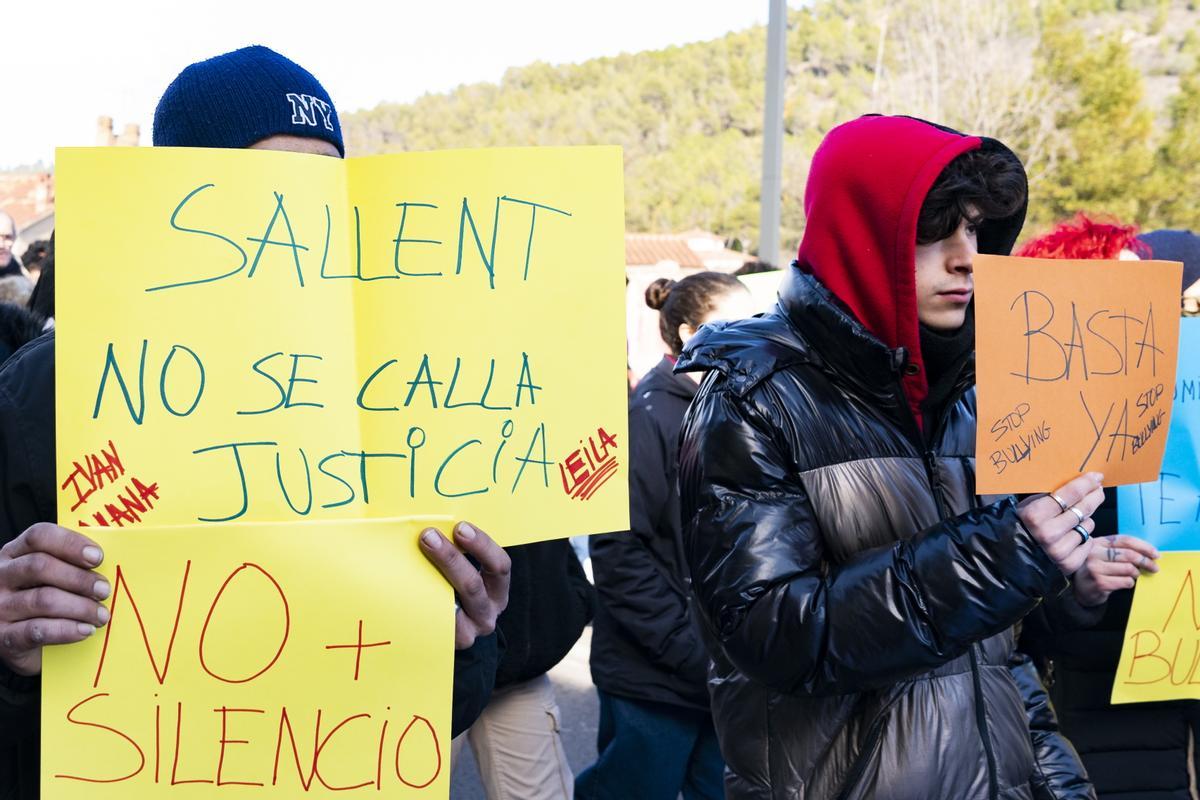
x,y
1088,237
1142,751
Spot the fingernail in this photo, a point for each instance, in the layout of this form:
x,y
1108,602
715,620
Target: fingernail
x,y
431,539
466,531
1156,554
85,629
101,589
1098,477
102,615
92,555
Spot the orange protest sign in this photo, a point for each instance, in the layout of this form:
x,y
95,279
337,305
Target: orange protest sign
x,y
1075,366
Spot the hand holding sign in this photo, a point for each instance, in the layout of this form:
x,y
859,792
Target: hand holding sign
x,y
1055,520
1114,563
482,593
1075,364
48,594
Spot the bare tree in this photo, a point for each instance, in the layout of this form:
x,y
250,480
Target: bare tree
x,y
969,64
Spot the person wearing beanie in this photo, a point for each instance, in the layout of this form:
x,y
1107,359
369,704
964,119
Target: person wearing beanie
x,y
1183,246
18,326
249,98
857,597
252,97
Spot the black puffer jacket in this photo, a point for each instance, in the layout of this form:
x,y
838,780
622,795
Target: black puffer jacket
x,y
645,645
550,602
858,601
857,598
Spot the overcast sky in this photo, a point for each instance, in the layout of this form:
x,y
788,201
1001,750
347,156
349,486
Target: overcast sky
x,y
70,62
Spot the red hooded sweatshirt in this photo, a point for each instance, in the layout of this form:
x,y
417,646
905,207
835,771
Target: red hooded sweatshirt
x,y
865,189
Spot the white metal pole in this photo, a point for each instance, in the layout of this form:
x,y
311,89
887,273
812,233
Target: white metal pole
x,y
772,170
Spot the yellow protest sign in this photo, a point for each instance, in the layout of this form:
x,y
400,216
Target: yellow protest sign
x,y
275,359
274,336
293,658
1075,365
1160,659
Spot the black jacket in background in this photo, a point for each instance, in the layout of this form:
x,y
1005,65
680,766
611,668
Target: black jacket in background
x,y
18,327
27,496
1133,751
549,603
644,643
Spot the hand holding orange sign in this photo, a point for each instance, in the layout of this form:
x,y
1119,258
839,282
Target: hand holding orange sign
x,y
1075,362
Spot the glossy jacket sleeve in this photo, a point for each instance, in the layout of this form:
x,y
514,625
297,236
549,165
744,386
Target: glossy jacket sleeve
x,y
629,578
1058,772
787,617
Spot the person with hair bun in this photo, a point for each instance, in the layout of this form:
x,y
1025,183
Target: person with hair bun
x,y
656,737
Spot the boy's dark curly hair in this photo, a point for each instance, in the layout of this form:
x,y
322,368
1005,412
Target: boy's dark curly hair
x,y
978,185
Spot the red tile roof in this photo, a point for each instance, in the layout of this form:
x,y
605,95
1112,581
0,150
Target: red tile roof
x,y
648,249
645,248
27,196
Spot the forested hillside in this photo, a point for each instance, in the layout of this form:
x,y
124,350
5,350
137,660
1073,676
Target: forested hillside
x,y
1100,97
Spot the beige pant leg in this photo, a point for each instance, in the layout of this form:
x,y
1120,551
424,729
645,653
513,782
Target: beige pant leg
x,y
456,746
517,745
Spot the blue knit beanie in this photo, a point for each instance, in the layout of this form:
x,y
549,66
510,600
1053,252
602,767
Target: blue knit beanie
x,y
1172,245
239,98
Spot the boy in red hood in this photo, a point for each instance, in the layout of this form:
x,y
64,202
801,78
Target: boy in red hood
x,y
857,597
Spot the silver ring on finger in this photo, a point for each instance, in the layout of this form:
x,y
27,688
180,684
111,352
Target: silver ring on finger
x,y
1083,534
1061,503
1078,513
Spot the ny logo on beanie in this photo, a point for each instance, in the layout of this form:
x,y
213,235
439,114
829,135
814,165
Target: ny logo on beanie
x,y
232,100
305,108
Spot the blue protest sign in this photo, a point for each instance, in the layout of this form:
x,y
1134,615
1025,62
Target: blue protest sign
x,y
1166,512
